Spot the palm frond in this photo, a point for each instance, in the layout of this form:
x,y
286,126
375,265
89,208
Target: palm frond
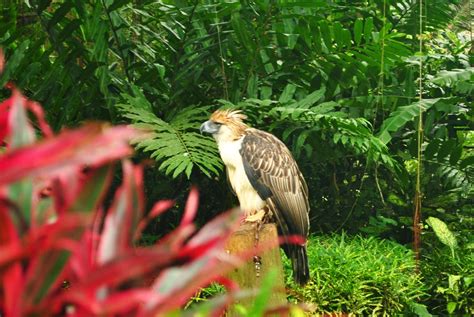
x,y
402,116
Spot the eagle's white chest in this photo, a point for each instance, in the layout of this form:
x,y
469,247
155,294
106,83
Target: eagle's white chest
x,y
249,200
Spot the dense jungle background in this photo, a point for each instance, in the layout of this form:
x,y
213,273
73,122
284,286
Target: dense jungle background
x,y
340,82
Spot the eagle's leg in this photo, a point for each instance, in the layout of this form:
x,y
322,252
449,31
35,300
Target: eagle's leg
x,y
257,219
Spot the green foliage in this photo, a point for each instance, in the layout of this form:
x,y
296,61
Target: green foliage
x,y
175,144
463,78
305,121
437,15
450,280
363,276
443,233
401,116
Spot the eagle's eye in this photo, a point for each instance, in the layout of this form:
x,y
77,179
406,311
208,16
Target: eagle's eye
x,y
210,127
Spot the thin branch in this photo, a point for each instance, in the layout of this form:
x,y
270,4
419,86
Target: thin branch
x,y
418,194
116,38
378,185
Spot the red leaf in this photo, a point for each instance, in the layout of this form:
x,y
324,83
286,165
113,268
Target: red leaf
x,y
132,266
205,260
157,210
14,121
117,303
36,109
8,233
191,207
11,279
177,284
4,124
81,190
13,283
9,254
92,191
122,218
93,144
10,246
21,132
174,241
50,247
65,188
220,227
2,60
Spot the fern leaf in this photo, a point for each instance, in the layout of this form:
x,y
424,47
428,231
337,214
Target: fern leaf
x,y
355,133
175,144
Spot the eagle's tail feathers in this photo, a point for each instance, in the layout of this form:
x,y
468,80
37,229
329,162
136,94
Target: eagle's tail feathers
x,y
300,265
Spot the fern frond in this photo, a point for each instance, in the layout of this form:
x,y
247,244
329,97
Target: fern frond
x,y
354,133
308,116
175,145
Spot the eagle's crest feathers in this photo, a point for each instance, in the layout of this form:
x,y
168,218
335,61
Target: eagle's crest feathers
x,y
232,118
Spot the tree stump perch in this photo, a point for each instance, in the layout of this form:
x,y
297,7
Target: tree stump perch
x,y
249,276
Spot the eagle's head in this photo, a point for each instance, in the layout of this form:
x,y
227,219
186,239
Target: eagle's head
x,y
225,125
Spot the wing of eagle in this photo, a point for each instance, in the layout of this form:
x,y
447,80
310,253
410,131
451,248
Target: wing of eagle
x,y
263,173
274,174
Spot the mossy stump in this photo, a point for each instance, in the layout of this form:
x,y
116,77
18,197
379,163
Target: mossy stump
x,y
249,276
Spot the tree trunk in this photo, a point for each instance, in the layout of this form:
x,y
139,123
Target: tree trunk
x,y
250,276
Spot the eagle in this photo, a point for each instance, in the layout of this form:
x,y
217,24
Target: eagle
x,y
266,179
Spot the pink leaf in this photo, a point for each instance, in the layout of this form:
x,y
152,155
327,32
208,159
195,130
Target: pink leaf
x,y
122,218
157,210
4,124
21,132
13,283
36,109
2,60
93,144
49,247
191,207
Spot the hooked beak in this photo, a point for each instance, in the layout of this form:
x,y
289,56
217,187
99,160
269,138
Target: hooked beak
x,y
209,127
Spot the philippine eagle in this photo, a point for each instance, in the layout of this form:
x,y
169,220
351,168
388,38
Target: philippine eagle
x,y
266,179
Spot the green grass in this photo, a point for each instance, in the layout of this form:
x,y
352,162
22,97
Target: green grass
x,y
359,275
363,276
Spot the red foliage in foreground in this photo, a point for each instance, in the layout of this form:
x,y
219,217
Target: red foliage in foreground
x,y
53,227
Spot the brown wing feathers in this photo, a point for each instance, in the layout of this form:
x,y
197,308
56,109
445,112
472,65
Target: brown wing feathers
x,y
273,173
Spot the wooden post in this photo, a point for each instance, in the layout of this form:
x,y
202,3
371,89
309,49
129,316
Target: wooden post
x,y
247,276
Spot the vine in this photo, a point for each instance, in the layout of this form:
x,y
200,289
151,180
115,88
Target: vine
x,y
418,195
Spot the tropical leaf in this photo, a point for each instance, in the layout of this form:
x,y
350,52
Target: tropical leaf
x,y
450,77
176,145
402,116
439,14
443,233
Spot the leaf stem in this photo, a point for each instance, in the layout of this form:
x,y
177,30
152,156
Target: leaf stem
x,y
116,38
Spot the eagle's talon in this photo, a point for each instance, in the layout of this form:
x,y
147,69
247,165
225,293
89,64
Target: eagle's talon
x,y
256,217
